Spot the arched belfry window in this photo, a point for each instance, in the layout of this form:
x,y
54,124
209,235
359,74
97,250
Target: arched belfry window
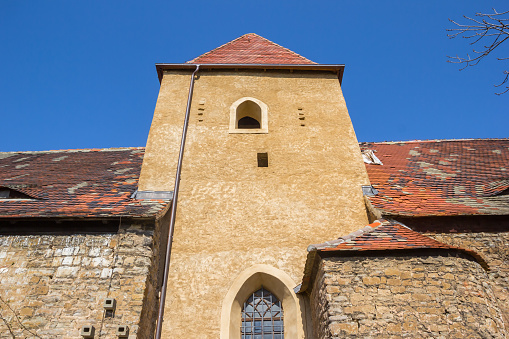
x,y
262,316
248,123
248,115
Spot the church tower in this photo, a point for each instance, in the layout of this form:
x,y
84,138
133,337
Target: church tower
x,y
271,165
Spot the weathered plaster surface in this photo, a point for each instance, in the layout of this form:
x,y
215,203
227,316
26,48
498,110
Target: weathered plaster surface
x,y
233,214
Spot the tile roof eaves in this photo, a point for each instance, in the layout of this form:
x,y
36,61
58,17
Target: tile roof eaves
x,y
328,244
77,150
409,244
427,213
80,216
484,264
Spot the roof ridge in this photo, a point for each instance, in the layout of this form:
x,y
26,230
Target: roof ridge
x,y
365,230
218,47
428,140
278,45
244,36
105,149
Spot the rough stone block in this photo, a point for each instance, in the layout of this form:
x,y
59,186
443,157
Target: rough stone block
x,y
346,328
371,280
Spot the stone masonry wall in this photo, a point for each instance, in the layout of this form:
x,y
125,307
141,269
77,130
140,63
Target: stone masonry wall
x,y
494,247
52,285
418,297
320,302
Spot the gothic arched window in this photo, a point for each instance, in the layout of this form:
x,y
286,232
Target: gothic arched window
x,y
248,115
262,316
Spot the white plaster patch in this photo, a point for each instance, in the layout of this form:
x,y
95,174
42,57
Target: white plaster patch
x,y
459,190
21,166
122,171
21,159
433,171
61,158
439,173
18,176
73,189
3,269
6,155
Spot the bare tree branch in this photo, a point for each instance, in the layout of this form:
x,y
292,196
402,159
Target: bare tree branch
x,y
493,28
23,328
8,326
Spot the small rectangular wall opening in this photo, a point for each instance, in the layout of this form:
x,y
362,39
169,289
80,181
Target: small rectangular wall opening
x,y
263,159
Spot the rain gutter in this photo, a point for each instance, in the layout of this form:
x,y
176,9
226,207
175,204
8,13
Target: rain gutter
x,y
174,207
337,69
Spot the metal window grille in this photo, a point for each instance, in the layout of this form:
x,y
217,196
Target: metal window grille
x,y
262,316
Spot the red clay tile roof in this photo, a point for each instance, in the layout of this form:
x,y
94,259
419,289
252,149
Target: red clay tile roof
x,y
388,235
381,235
441,178
251,49
74,183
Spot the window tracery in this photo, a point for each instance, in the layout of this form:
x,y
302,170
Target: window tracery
x,y
262,316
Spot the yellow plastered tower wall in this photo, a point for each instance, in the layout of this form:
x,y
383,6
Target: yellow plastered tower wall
x,y
243,223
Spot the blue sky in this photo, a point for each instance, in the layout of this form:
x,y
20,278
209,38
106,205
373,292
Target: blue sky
x,y
80,74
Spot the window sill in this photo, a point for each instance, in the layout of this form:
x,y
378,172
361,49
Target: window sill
x,y
248,131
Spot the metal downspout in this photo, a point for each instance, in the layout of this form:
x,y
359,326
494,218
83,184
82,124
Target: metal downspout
x,y
174,210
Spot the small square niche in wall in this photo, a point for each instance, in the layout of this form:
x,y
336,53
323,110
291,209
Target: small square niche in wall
x,y
263,159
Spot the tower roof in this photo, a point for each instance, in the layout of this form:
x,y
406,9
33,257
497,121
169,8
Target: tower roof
x,y
251,49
